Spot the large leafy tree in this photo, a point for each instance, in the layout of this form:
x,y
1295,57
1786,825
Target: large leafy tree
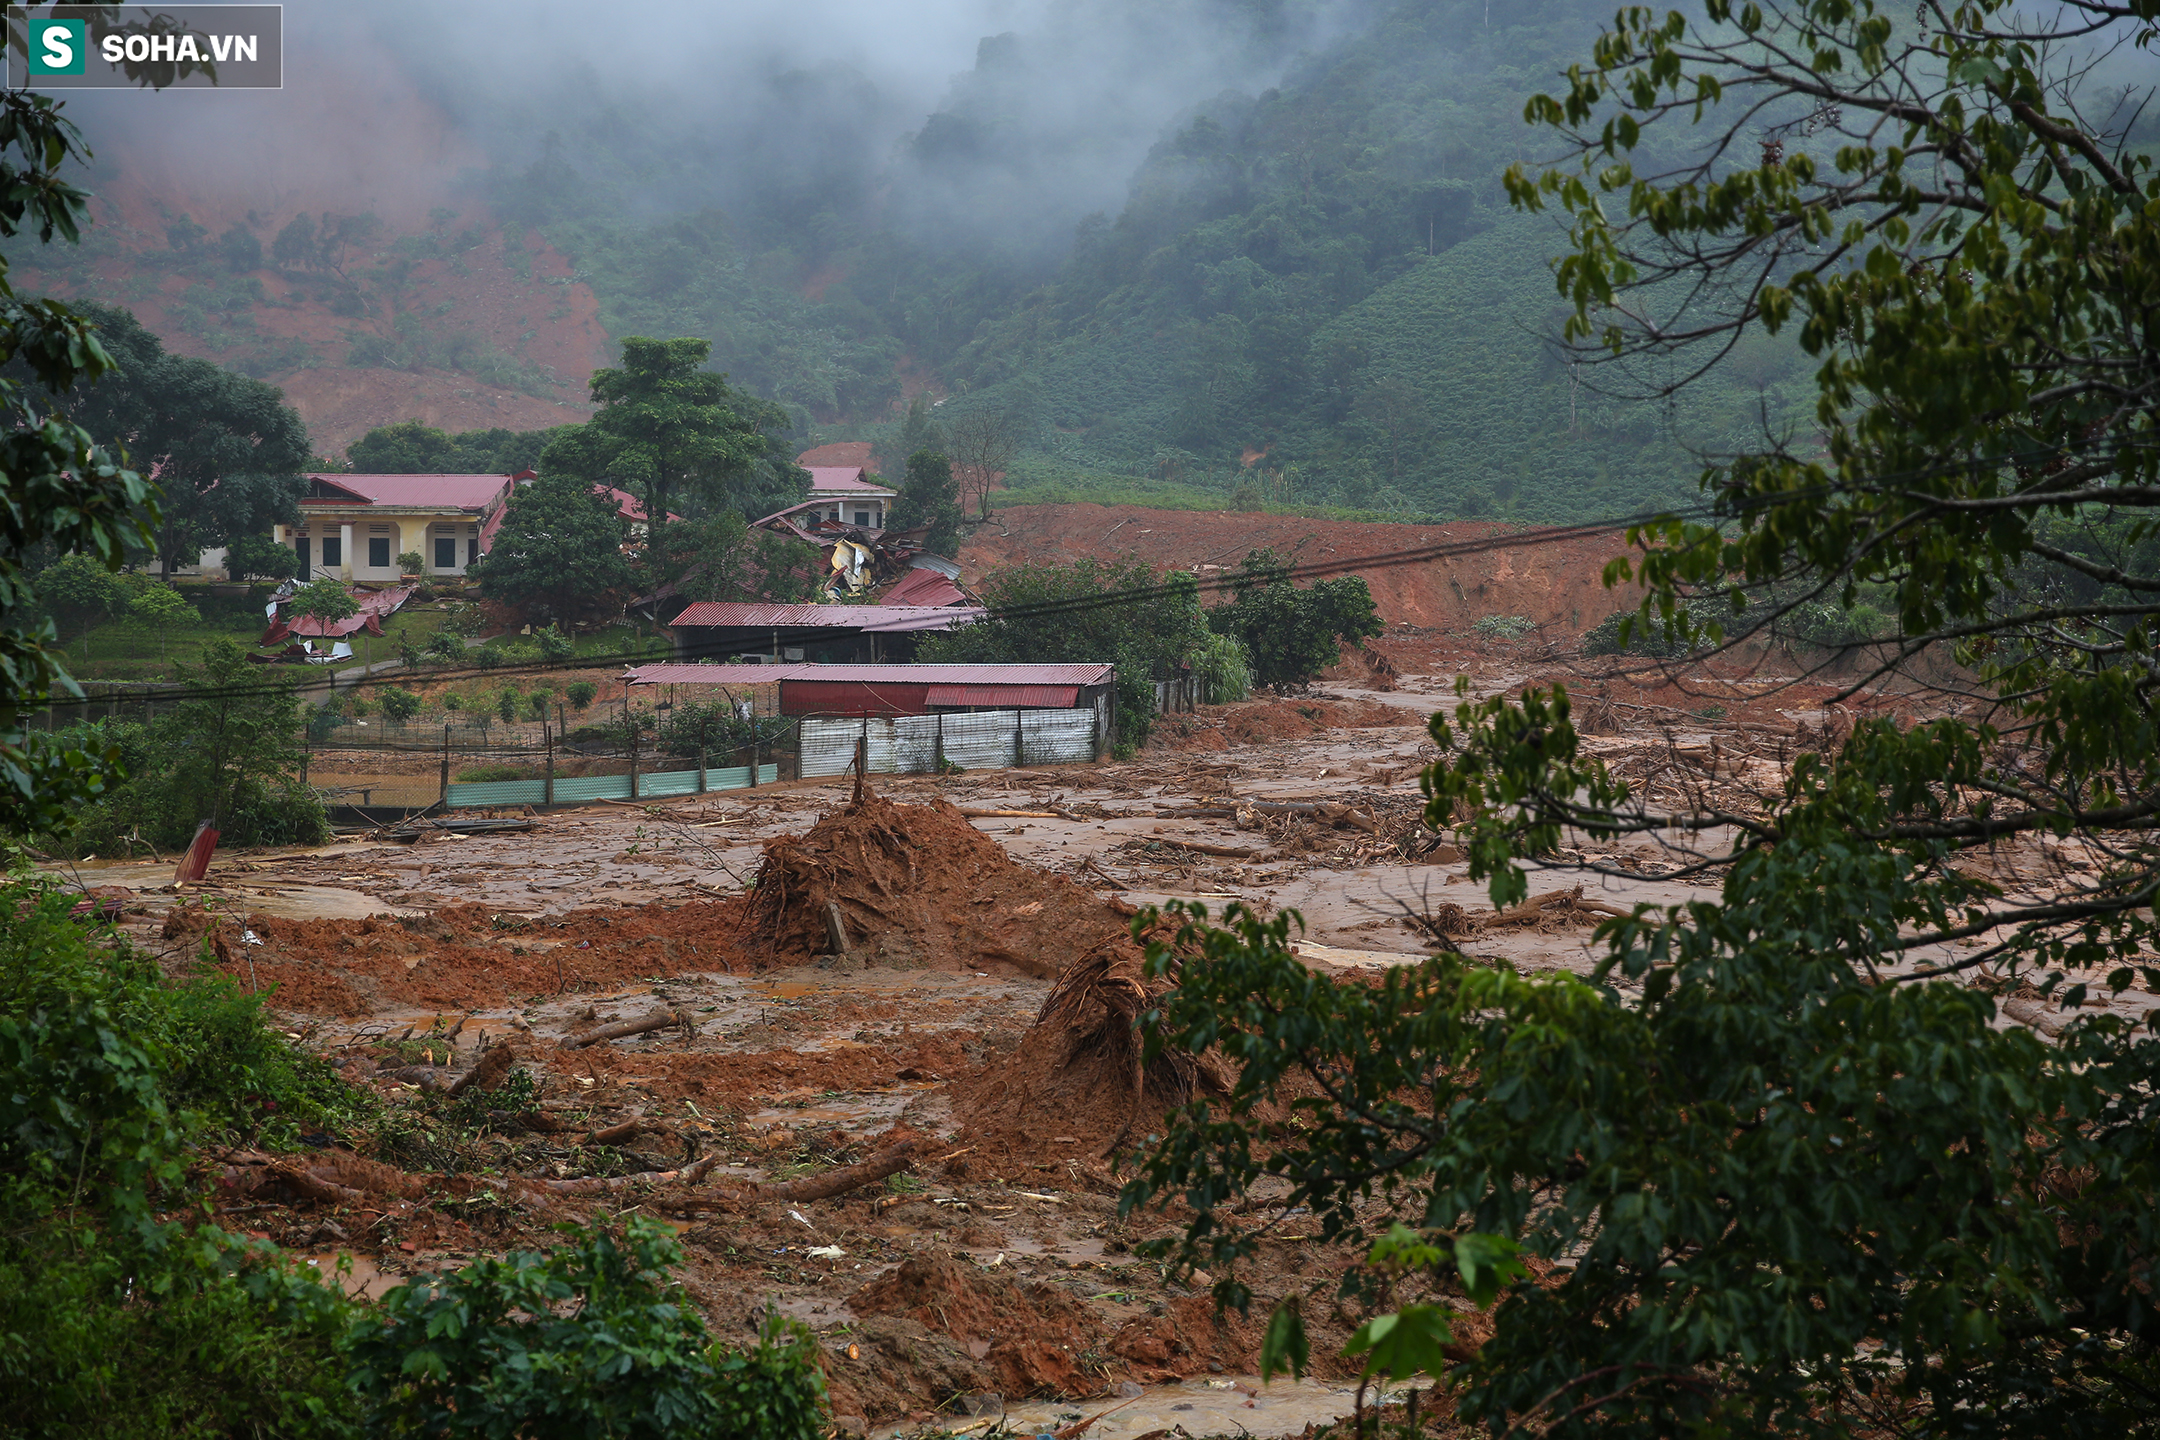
x,y
62,491
226,451
678,437
558,555
930,496
1121,613
1809,1175
413,448
1292,632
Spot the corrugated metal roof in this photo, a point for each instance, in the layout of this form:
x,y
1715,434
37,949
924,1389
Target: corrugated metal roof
x,y
1046,697
1090,673
450,492
730,614
923,587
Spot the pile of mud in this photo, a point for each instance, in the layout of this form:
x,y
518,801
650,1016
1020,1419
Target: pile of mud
x,y
1019,1340
1075,1091
918,886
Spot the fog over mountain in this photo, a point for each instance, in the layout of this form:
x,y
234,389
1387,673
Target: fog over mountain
x,y
993,123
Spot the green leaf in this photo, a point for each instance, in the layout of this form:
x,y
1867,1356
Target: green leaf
x,y
1487,1262
1409,1342
1285,1349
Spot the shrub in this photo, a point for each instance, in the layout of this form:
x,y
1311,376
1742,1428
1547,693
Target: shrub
x,y
590,1339
539,700
399,704
453,701
506,704
1246,497
1504,627
487,657
580,693
1626,633
446,647
1224,674
409,563
555,647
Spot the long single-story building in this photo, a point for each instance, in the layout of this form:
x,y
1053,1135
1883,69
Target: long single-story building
x,y
914,718
826,634
354,527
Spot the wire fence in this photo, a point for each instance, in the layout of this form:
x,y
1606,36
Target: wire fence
x,y
376,764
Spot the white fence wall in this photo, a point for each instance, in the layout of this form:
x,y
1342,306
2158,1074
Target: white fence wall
x,y
987,740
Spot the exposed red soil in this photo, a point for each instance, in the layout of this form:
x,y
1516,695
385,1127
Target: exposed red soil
x,y
738,1079
341,404
1555,585
464,957
347,148
1261,721
842,452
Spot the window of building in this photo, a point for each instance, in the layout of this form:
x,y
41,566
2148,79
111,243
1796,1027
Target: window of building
x,y
446,552
378,552
333,551
862,518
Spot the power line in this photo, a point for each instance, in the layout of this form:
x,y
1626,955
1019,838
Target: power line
x,y
1227,581
1204,585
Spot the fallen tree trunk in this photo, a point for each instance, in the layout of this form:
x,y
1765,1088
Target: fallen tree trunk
x,y
598,1185
658,1020
1535,907
1233,852
616,1134
489,1073
1019,815
1327,810
833,1182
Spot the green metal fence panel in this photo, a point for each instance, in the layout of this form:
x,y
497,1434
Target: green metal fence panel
x,y
499,792
592,787
665,784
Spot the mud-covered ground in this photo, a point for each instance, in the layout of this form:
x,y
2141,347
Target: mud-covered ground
x,y
991,1272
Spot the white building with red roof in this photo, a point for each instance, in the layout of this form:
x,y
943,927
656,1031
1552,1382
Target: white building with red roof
x,y
354,527
842,493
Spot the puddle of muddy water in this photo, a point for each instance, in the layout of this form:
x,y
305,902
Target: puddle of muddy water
x,y
1233,1405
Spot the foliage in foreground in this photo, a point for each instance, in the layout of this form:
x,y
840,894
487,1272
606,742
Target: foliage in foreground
x,y
588,1339
231,754
1805,1179
122,1314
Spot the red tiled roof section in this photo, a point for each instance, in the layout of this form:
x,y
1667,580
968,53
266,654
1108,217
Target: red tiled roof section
x,y
448,492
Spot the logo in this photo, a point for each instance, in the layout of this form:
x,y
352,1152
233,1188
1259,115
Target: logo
x,y
59,47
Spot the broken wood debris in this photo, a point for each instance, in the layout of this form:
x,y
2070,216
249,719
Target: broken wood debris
x,y
623,1029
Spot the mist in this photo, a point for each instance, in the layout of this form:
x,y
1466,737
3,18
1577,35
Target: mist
x,y
987,125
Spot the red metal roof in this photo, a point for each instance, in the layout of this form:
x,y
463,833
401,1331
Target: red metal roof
x,y
1090,673
923,587
736,615
1004,697
448,492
